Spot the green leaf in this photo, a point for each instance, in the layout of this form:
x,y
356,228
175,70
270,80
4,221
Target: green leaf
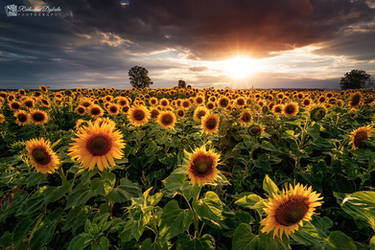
x,y
340,241
243,238
210,207
53,194
175,220
22,229
79,197
175,181
269,186
125,191
248,201
308,235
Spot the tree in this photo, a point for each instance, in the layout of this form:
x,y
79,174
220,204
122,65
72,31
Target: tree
x,y
181,84
139,78
356,79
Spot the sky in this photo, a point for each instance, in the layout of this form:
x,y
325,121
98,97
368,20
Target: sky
x,y
207,43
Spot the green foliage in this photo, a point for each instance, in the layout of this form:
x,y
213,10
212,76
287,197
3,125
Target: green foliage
x,y
139,78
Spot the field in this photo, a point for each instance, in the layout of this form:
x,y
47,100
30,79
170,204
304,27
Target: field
x,y
187,169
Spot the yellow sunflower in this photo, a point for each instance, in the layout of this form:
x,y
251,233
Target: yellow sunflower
x,y
288,210
43,88
186,104
22,117
290,109
210,123
138,115
201,166
167,119
113,109
14,105
223,102
95,111
180,113
2,118
81,110
97,144
42,157
38,117
245,117
360,135
199,112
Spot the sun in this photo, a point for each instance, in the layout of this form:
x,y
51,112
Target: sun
x,y
239,67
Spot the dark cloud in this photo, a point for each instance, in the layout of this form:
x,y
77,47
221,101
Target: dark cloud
x,y
212,28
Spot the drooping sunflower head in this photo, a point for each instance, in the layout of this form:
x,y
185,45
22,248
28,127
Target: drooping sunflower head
x,y
288,210
95,111
97,145
360,136
22,117
355,100
245,117
290,109
167,119
317,113
38,117
201,166
42,158
138,115
210,123
255,130
199,112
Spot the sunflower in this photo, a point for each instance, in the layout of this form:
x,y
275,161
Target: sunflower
x,y
277,109
245,117
79,124
360,135
167,119
113,109
306,102
199,100
43,88
81,110
210,123
28,103
185,104
97,144
317,113
355,100
240,102
164,102
255,130
14,105
290,109
153,101
223,102
288,210
38,117
2,118
180,113
154,113
122,101
138,115
124,109
201,166
95,111
199,113
22,117
42,157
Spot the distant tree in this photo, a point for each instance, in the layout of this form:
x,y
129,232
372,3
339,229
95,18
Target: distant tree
x,y
181,84
189,86
356,79
139,78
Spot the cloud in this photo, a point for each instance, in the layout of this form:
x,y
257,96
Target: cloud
x,y
213,28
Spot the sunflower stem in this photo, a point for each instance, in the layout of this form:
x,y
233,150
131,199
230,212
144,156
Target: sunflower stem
x,y
62,175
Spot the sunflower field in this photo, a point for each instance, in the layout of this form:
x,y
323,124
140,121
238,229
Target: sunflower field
x,y
187,169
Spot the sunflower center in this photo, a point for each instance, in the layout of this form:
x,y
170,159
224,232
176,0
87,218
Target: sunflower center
x,y
22,117
113,109
240,102
15,105
201,113
223,102
41,156
289,109
38,117
246,117
203,164
139,115
180,113
291,212
359,138
95,111
99,145
167,119
81,110
211,123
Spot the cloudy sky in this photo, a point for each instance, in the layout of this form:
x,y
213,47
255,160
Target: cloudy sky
x,y
207,43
